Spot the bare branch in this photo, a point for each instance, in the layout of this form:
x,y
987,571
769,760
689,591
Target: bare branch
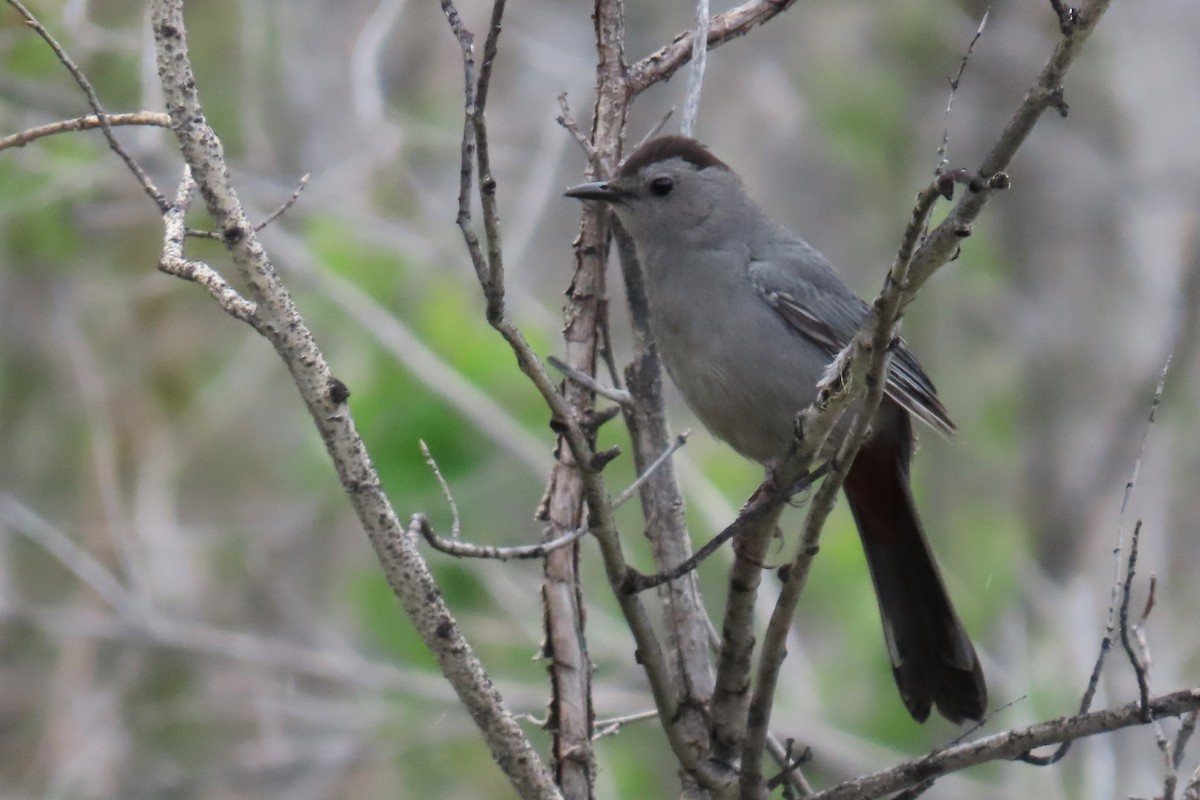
x,y
685,621
691,106
1140,668
618,396
635,582
567,120
173,262
609,727
1010,744
850,378
466,42
939,247
954,84
287,204
1119,597
192,233
102,118
657,127
664,62
487,184
87,123
456,522
395,547
624,496
461,549
579,467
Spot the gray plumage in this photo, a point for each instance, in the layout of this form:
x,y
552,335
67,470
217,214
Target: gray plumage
x,y
747,317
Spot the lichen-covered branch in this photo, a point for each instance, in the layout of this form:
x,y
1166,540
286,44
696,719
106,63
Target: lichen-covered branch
x,y
1008,745
280,322
85,123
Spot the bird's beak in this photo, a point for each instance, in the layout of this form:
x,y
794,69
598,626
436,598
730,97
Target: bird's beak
x,y
596,190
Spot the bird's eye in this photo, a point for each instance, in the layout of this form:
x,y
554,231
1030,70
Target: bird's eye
x,y
661,186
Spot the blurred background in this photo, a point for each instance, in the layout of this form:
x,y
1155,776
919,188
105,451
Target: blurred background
x,y
187,605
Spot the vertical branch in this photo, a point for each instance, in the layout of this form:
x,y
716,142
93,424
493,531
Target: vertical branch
x,y
688,679
575,483
869,356
685,623
586,305
487,184
731,697
466,42
691,106
584,314
571,679
571,715
278,319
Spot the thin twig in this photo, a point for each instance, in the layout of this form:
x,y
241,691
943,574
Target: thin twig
x,y
608,727
940,246
291,201
566,119
657,127
663,63
94,101
90,122
607,352
487,184
462,549
636,582
624,496
1140,668
194,233
954,84
466,43
455,521
1116,593
618,396
691,106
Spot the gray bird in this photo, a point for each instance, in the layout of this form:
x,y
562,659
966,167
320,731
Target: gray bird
x,y
746,317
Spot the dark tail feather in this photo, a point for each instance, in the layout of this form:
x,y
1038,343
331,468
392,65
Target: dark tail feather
x,y
932,656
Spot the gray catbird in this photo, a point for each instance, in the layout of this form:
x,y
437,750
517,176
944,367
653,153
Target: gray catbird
x,y
746,317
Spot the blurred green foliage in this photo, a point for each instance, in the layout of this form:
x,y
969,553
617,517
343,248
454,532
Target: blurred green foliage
x,y
165,440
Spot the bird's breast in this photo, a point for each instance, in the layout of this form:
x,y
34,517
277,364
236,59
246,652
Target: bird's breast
x,y
739,367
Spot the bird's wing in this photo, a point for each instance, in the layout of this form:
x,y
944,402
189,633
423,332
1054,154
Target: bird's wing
x,y
819,306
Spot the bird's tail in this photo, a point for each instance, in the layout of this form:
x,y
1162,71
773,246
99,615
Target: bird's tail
x,y
932,656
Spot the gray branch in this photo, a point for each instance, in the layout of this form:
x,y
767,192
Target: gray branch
x,y
280,322
1009,745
